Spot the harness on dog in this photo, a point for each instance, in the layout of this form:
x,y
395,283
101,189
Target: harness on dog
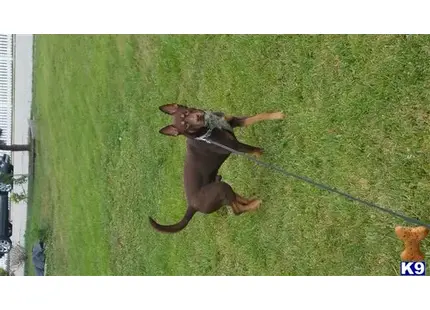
x,y
214,120
217,120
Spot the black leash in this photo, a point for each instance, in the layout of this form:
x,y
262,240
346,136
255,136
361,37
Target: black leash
x,y
319,185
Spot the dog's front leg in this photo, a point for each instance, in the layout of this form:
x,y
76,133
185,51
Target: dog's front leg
x,y
249,120
249,149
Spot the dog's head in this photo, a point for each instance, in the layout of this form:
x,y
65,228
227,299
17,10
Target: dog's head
x,y
186,121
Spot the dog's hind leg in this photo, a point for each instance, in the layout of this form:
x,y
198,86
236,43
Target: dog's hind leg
x,y
213,196
239,208
243,200
218,194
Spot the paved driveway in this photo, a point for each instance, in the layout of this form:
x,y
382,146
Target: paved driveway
x,y
20,126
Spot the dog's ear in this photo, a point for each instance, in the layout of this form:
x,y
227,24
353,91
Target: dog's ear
x,y
169,131
170,108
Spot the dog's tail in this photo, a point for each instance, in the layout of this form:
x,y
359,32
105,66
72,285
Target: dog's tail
x,y
175,227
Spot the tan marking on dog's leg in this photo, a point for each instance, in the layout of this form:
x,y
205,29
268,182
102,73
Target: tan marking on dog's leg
x,y
236,207
242,200
263,117
257,153
254,204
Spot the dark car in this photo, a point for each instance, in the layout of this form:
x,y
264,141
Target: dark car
x,y
6,185
6,174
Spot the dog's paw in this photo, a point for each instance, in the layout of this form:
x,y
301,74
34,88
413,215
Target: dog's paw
x,y
255,204
277,115
257,152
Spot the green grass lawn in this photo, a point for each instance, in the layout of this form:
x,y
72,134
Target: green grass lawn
x,y
358,119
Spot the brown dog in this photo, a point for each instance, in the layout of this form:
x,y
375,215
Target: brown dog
x,y
205,192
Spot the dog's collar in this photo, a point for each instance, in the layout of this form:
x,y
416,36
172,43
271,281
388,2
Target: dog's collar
x,y
214,120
